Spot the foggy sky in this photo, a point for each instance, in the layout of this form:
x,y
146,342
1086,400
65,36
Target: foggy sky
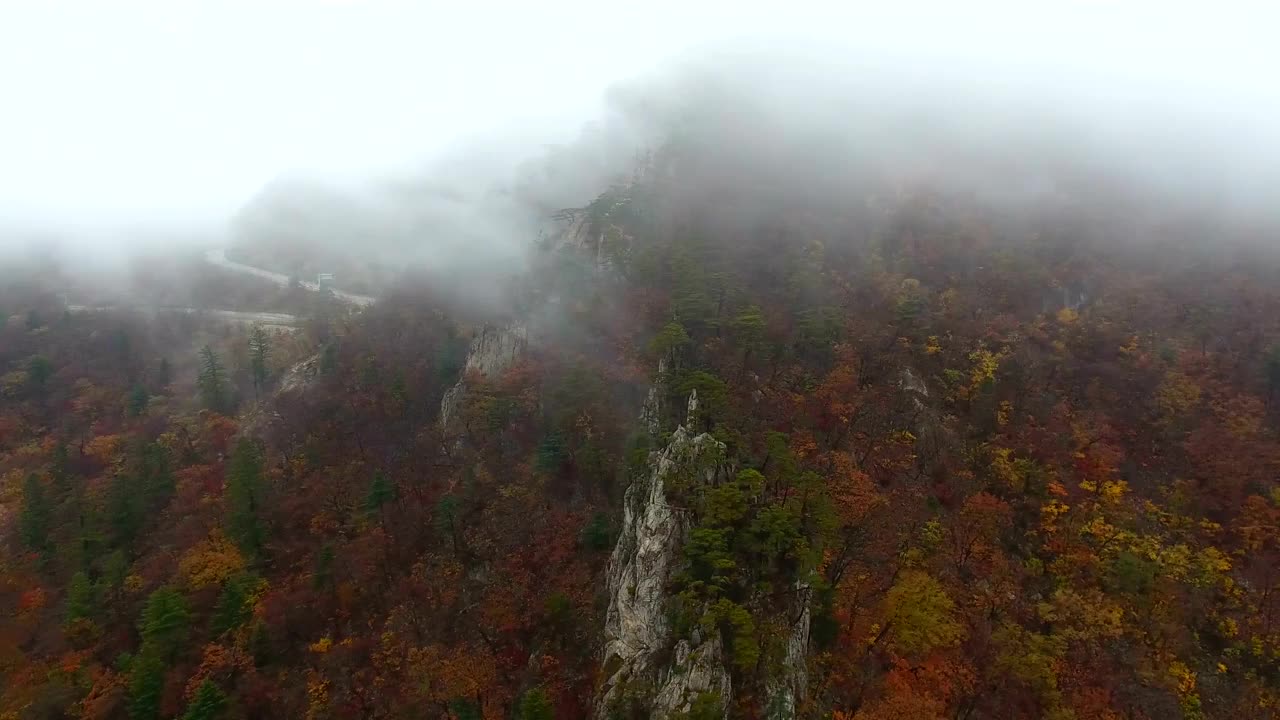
x,y
167,113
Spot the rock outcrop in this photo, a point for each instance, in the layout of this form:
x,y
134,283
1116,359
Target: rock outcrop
x,y
1070,296
651,411
692,672
924,418
493,350
450,402
301,376
910,382
641,652
788,687
592,230
645,660
573,230
263,417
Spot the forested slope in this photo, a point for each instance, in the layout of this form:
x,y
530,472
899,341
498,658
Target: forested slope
x,y
949,458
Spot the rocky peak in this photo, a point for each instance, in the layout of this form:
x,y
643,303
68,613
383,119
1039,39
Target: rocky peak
x,y
651,411
638,635
641,651
645,659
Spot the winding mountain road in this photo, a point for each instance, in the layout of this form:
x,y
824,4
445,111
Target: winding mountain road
x,y
219,257
266,319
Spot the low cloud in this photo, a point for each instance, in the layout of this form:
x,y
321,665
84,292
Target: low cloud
x,y
417,134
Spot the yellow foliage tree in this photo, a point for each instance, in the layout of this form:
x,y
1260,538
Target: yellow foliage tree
x,y
211,562
1177,395
983,368
106,449
921,615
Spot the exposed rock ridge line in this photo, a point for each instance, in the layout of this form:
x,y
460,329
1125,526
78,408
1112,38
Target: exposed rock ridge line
x,y
641,651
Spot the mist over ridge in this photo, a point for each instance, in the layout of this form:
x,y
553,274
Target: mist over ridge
x,y
419,152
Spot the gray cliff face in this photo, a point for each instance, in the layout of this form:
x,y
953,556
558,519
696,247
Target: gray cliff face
x,y
450,402
577,231
592,231
651,411
790,685
493,350
1071,296
640,650
910,382
693,671
927,421
572,230
263,417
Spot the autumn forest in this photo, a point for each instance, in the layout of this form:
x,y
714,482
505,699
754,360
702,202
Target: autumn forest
x,y
726,446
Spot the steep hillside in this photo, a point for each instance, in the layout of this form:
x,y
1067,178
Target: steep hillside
x,y
735,444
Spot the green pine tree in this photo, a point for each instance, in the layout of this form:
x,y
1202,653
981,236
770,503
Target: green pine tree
x,y
244,498
463,709
125,511
39,370
670,340
114,571
323,575
260,643
208,703
80,597
535,706
553,453
597,535
212,381
138,399
1273,373
329,358
748,329
146,684
165,623
156,474
164,373
60,469
232,609
259,351
123,346
381,492
88,542
142,487
399,392
33,518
